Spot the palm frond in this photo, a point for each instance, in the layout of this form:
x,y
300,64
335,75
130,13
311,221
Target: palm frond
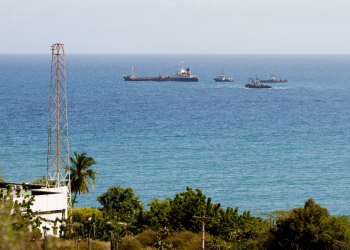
x,y
82,176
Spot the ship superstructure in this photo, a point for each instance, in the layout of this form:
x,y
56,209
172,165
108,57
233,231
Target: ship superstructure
x,y
183,75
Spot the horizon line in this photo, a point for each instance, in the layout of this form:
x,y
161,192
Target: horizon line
x,y
277,54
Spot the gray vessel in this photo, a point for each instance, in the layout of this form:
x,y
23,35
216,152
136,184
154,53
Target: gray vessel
x,y
256,84
273,79
223,78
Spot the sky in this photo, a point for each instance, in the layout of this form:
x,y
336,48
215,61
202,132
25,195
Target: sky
x,y
176,26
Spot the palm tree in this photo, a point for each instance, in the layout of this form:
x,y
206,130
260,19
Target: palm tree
x,y
81,176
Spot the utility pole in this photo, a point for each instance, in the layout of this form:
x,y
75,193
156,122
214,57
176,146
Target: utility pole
x,y
203,219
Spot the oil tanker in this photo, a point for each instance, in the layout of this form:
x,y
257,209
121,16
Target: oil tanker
x,y
181,75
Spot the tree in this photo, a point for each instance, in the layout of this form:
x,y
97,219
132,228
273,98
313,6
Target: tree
x,y
157,216
42,181
184,206
177,213
310,227
81,175
122,201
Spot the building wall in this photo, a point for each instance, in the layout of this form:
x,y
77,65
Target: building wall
x,y
48,203
50,207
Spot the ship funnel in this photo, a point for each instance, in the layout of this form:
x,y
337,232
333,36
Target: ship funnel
x,y
188,71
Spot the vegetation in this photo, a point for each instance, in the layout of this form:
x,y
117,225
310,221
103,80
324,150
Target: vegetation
x,y
310,227
169,224
42,181
81,175
120,204
15,221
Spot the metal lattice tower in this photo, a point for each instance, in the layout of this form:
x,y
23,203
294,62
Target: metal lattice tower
x,y
58,144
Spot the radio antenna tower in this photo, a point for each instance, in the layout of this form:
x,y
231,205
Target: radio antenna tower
x,y
58,144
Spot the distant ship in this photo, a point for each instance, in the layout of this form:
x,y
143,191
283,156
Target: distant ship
x,y
146,78
185,75
222,78
273,79
180,76
256,84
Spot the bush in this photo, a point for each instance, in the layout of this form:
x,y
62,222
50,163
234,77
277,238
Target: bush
x,y
147,238
54,243
188,236
177,243
81,215
130,243
185,240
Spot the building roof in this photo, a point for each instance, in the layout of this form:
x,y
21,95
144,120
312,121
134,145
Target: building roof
x,y
3,184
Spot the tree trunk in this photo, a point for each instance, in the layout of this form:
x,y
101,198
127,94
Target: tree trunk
x,y
71,216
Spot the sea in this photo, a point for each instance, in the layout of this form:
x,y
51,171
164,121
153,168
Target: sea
x,y
256,149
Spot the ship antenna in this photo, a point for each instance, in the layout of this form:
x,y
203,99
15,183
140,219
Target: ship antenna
x,y
182,65
132,70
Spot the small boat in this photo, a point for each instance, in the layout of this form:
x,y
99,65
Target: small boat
x,y
273,79
256,84
222,78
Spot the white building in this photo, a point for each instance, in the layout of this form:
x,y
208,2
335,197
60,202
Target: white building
x,y
50,203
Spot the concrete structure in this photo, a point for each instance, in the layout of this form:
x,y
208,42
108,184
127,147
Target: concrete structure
x,y
50,203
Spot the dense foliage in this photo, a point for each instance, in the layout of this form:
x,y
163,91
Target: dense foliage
x,y
120,204
308,227
169,224
17,223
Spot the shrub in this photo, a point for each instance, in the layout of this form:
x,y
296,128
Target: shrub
x,y
54,243
187,236
177,243
81,215
130,243
147,238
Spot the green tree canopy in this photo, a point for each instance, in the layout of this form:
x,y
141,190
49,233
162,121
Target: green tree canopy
x,y
122,201
308,227
184,206
158,214
177,213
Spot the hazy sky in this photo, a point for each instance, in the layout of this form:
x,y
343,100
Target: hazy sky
x,y
176,26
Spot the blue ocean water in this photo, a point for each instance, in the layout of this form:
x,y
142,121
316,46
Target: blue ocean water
x,y
256,149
